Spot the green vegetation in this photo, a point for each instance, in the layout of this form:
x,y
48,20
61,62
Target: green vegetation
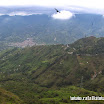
x,y
8,98
62,96
48,74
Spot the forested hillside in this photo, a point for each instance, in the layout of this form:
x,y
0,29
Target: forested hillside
x,y
49,73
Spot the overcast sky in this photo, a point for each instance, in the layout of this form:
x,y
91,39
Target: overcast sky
x,y
98,4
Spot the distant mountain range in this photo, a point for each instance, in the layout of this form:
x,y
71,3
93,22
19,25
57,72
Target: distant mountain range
x,y
43,29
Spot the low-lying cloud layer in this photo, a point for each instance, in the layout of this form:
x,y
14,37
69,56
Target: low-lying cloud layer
x,y
19,14
63,15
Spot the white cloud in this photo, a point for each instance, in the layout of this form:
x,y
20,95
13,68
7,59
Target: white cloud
x,y
63,15
19,14
1,14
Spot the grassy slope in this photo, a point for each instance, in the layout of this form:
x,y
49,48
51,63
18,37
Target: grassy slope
x,y
62,95
8,98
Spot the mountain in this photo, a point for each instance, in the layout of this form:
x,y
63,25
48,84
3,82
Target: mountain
x,y
90,45
43,29
35,73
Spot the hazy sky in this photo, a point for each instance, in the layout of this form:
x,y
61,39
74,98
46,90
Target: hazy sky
x,y
98,4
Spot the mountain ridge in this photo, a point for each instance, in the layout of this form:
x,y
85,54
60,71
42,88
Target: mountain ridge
x,y
29,71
